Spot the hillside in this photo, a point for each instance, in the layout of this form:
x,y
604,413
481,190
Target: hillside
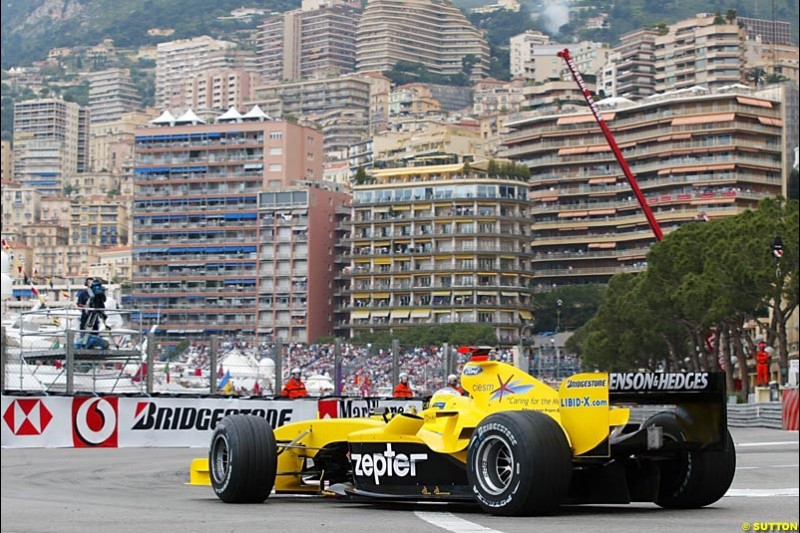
x,y
31,27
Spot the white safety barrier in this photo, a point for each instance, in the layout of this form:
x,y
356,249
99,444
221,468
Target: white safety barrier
x,y
115,421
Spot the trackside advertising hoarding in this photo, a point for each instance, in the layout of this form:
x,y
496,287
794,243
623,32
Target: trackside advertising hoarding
x,y
113,421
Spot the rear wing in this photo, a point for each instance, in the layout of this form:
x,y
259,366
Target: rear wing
x,y
698,398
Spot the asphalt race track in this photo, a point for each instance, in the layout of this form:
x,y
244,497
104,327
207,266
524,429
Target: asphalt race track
x,y
141,490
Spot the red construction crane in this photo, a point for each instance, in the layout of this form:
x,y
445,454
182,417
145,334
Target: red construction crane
x,y
651,219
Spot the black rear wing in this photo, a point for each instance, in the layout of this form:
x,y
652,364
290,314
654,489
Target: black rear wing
x,y
699,400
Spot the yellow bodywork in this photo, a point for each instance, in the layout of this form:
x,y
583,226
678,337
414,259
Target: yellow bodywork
x,y
580,406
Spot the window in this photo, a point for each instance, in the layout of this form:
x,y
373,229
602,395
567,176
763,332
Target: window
x,y
276,151
276,135
275,167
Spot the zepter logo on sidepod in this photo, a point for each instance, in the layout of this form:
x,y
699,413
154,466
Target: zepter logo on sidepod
x,y
94,422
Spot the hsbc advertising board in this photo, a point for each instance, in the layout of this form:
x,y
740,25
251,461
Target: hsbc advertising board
x,y
110,421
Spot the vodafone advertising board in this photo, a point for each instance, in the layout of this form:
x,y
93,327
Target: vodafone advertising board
x,y
111,421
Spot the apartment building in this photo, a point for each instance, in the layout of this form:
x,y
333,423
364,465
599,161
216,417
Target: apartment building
x,y
441,143
50,143
21,205
436,245
696,156
492,96
99,221
554,96
432,33
111,95
217,89
316,41
195,216
630,70
6,162
339,106
296,260
112,142
181,60
702,50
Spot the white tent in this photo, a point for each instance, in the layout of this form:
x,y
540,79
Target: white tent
x,y
231,115
240,365
189,118
166,119
256,113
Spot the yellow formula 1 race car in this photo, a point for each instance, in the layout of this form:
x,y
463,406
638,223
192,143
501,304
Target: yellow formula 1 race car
x,y
514,445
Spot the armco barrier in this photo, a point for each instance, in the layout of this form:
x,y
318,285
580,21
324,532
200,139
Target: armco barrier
x,y
790,409
763,415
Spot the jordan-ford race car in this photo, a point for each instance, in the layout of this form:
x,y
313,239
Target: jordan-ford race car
x,y
514,445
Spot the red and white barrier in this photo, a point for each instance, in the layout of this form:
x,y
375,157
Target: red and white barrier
x,y
790,410
119,422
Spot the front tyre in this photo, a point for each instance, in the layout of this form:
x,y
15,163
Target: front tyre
x,y
519,464
242,459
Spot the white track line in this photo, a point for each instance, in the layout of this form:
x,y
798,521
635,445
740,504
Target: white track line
x,y
757,444
770,466
452,523
763,493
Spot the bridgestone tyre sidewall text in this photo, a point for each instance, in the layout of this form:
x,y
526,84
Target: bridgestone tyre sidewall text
x,y
695,478
542,463
248,475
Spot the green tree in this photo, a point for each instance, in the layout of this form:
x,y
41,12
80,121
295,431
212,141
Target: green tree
x,y
579,303
361,176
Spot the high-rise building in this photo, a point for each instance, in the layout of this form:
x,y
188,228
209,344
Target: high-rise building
x,y
535,58
699,51
767,31
296,274
630,70
111,95
179,61
439,245
50,143
316,41
112,142
522,50
195,216
218,89
339,106
695,156
432,33
6,162
98,221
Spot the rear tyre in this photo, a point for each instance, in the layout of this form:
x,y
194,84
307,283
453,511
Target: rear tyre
x,y
519,463
242,459
694,478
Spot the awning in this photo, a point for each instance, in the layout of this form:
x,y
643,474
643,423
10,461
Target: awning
x,y
753,101
420,313
487,293
400,313
769,121
603,212
441,311
380,314
360,313
486,273
383,261
572,150
594,181
401,208
599,148
441,293
510,293
577,119
462,293
380,295
703,119
361,295
571,214
548,199
525,314
602,245
381,243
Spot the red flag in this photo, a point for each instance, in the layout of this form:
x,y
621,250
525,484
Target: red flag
x,y
257,389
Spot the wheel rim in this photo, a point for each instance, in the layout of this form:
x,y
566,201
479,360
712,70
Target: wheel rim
x,y
220,453
496,464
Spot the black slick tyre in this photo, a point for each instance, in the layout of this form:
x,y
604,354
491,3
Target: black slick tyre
x,y
519,463
242,459
693,479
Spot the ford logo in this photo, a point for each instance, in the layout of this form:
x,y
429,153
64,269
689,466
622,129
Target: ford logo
x,y
472,370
